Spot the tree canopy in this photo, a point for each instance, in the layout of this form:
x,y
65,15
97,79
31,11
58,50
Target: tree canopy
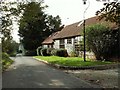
x,y
36,25
111,12
8,13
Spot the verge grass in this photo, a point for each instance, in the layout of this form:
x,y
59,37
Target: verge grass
x,y
6,61
71,61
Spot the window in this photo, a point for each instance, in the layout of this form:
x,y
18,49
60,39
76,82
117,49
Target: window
x,y
75,41
77,47
69,41
48,46
62,46
51,46
62,43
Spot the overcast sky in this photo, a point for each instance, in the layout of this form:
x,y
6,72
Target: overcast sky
x,y
70,11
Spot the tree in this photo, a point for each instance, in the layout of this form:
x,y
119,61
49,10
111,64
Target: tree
x,y
31,23
102,41
13,48
111,12
35,25
8,12
53,23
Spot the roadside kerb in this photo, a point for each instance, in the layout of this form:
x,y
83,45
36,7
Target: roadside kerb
x,y
97,67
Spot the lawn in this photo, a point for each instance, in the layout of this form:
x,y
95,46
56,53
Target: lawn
x,y
71,61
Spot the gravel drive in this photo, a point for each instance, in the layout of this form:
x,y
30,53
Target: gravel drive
x,y
104,78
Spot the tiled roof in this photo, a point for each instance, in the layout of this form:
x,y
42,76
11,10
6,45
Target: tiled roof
x,y
76,28
49,40
69,31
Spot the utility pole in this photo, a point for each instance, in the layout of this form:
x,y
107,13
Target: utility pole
x,y
84,2
84,41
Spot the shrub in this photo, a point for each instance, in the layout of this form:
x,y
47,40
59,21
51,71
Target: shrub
x,y
31,53
44,52
73,54
53,52
12,54
5,56
60,52
49,51
6,61
19,51
103,41
38,50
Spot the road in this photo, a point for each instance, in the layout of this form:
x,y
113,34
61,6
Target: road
x,y
27,72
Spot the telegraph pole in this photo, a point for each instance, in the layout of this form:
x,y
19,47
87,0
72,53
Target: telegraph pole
x,y
84,2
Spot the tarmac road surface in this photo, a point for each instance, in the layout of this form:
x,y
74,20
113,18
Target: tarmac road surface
x,y
27,72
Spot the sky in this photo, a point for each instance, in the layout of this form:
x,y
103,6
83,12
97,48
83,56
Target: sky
x,y
70,11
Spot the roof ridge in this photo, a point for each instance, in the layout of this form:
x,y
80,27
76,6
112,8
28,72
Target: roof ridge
x,y
72,24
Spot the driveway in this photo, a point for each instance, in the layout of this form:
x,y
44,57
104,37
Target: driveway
x,y
105,78
27,72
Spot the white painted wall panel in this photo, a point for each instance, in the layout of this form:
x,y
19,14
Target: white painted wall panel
x,y
56,44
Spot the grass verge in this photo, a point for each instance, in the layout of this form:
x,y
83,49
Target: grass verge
x,y
71,61
6,61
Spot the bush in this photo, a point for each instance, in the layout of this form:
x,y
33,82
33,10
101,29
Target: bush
x,y
49,51
38,51
5,56
59,52
19,51
103,41
44,52
12,54
54,52
31,53
73,54
6,61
